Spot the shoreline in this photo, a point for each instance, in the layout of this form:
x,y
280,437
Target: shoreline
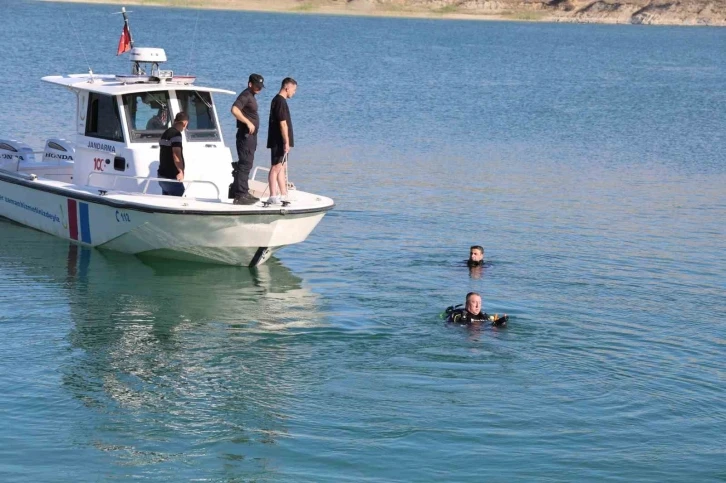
x,y
598,11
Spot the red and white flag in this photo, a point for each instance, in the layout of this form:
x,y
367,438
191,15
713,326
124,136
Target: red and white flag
x,y
124,43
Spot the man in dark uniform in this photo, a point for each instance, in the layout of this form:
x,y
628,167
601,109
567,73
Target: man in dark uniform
x,y
171,157
280,139
244,110
472,314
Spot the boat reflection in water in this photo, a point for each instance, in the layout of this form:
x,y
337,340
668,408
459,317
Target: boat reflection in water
x,y
168,358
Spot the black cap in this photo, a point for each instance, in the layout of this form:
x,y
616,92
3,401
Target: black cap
x,y
257,80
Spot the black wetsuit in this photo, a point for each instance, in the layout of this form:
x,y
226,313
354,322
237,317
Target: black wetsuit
x,y
472,263
464,317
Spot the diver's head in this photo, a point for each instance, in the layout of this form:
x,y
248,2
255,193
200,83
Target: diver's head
x,y
473,303
476,254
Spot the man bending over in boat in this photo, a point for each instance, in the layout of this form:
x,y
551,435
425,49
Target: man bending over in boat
x,y
472,314
171,157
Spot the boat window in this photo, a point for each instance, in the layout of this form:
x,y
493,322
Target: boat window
x,y
103,120
147,114
198,105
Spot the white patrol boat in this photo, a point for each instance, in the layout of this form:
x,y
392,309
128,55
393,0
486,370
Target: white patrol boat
x,y
101,189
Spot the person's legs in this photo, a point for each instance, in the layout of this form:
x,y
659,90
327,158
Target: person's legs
x,y
281,181
276,178
272,179
177,189
246,153
171,188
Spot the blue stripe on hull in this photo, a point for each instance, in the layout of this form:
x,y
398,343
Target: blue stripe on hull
x,y
85,224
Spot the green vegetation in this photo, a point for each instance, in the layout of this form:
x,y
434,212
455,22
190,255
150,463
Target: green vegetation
x,y
387,7
524,16
447,9
304,7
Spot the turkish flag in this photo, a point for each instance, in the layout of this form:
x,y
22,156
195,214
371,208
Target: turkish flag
x,y
124,43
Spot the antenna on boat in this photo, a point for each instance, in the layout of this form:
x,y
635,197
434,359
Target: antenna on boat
x,y
194,43
78,38
126,42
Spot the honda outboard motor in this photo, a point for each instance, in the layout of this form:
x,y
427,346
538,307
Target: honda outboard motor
x,y
12,153
57,149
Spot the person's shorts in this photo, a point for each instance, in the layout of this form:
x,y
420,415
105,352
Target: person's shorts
x,y
277,156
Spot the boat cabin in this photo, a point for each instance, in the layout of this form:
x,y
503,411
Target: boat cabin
x,y
119,120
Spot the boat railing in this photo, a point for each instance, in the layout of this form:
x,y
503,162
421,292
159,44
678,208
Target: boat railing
x,y
19,174
148,180
290,184
258,168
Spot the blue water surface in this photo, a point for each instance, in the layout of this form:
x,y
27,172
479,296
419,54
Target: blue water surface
x,y
587,159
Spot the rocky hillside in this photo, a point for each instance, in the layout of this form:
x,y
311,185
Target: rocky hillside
x,y
662,12
665,12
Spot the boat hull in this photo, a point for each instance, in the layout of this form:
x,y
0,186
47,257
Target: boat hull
x,y
229,238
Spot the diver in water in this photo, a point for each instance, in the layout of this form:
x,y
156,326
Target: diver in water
x,y
472,314
476,256
476,261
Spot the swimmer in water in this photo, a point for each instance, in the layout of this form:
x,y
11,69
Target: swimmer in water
x,y
472,314
476,256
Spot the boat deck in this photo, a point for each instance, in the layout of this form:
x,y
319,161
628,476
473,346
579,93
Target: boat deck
x,y
300,201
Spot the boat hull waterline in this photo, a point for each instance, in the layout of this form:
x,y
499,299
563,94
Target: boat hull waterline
x,y
219,233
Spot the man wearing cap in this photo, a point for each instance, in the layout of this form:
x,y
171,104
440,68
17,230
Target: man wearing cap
x,y
244,110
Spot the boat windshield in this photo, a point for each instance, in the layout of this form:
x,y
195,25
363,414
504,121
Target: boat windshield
x,y
147,114
198,105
